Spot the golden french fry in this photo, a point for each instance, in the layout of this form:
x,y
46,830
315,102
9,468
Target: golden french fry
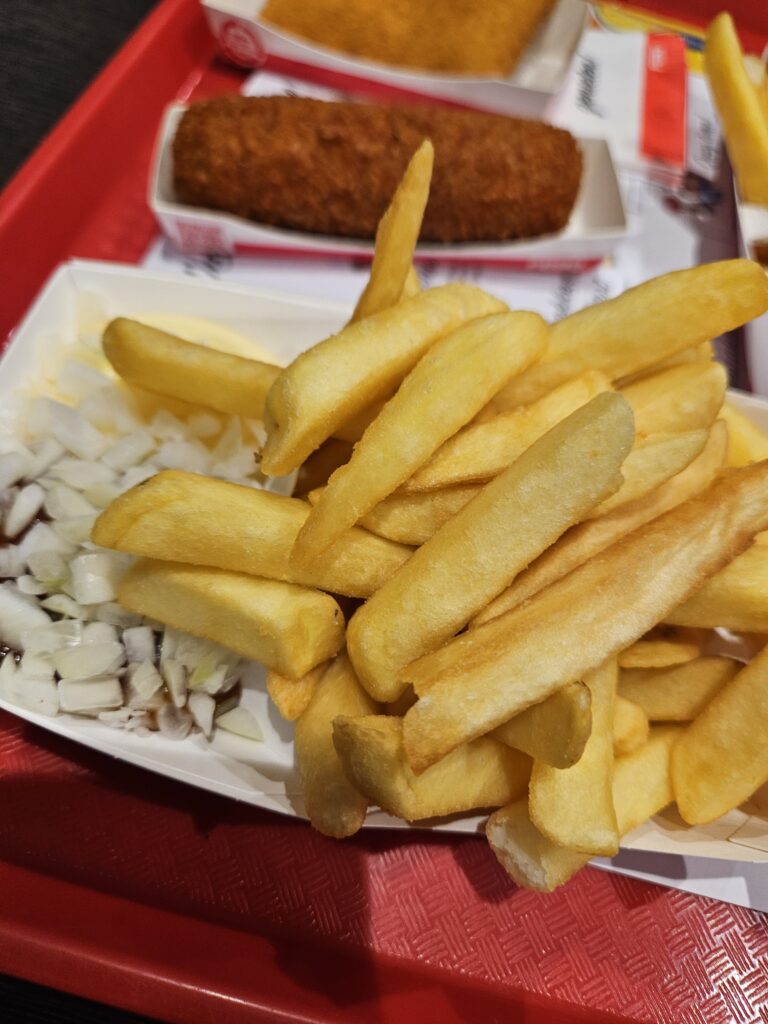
x,y
653,460
332,382
735,598
475,555
289,628
412,285
314,473
679,399
449,385
521,657
554,731
630,727
481,774
333,805
641,788
354,428
590,538
166,365
397,235
414,518
703,353
747,442
678,693
657,654
574,806
722,756
667,314
483,450
184,517
738,103
291,696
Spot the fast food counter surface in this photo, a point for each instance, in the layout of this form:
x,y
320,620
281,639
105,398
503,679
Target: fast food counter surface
x,y
47,62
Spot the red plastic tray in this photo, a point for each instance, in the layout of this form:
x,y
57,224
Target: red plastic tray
x,y
140,892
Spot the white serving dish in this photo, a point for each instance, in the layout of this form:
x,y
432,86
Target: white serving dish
x,y
80,297
753,230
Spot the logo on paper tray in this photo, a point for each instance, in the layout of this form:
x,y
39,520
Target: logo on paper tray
x,y
586,74
200,238
241,44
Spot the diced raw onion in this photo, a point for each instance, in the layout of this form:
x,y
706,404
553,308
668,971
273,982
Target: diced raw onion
x,y
241,722
102,494
28,503
89,696
146,680
139,642
41,537
33,666
129,451
95,577
48,567
86,661
202,707
80,475
47,417
53,636
14,466
100,633
18,614
175,723
63,605
29,585
62,502
75,529
45,453
175,676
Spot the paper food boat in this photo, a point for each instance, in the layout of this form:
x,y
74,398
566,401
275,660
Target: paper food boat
x,y
753,235
598,222
250,42
79,299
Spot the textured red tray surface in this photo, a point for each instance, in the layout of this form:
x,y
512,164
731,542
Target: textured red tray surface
x,y
124,887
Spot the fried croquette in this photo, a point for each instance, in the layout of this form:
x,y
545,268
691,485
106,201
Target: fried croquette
x,y
331,168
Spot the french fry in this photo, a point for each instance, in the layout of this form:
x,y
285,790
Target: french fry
x,y
483,450
554,731
722,756
481,774
680,692
641,788
289,628
521,657
291,696
184,517
166,365
412,285
475,555
667,315
735,598
679,399
396,237
738,103
703,353
314,473
332,382
574,806
747,442
630,727
450,384
653,460
657,654
333,805
414,518
590,538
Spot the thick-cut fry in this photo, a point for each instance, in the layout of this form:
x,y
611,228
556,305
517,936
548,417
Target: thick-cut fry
x,y
396,236
735,598
412,284
481,774
184,517
678,693
326,386
644,325
291,696
738,103
332,803
683,398
703,353
630,727
554,731
521,657
574,806
289,628
475,555
590,538
722,756
654,460
167,365
483,450
413,518
452,382
657,654
314,473
747,442
641,788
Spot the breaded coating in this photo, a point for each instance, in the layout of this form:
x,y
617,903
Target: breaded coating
x,y
477,37
331,168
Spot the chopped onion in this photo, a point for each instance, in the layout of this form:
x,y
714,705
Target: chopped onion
x,y
50,418
113,613
62,502
239,748
175,677
167,426
45,453
78,380
41,537
145,679
204,424
100,633
230,442
193,457
137,475
241,722
202,707
95,577
36,693
129,450
102,495
17,614
12,561
28,503
29,585
86,661
89,696
63,605
175,723
35,667
139,643
14,466
219,681
107,410
53,636
48,567
75,529
80,475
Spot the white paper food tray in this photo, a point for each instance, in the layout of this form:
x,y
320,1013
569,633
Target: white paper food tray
x,y
79,298
250,42
598,222
753,231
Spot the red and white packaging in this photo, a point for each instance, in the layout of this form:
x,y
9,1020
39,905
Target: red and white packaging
x,y
245,39
598,221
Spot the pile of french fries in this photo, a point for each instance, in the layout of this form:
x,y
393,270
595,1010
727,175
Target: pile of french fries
x,y
503,596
